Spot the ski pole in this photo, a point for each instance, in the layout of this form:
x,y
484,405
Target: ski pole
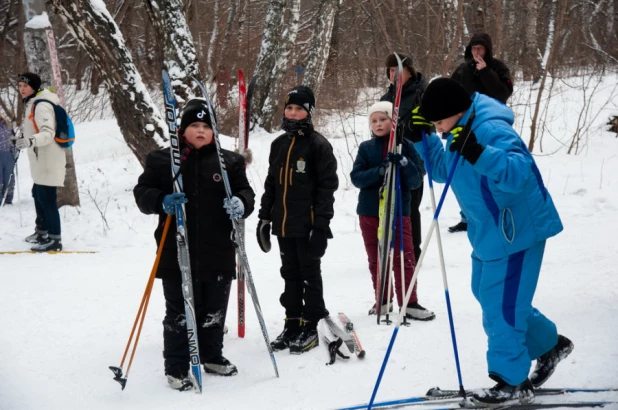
x,y
141,312
447,296
18,191
413,281
399,215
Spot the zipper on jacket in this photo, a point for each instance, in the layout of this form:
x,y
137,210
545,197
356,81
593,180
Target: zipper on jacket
x,y
281,176
285,187
291,174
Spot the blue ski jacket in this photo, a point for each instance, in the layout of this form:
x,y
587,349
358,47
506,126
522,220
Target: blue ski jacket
x,y
366,175
503,196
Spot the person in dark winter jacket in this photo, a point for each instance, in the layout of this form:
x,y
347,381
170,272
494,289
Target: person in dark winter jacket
x,y
512,215
297,206
414,84
209,229
482,73
7,163
368,175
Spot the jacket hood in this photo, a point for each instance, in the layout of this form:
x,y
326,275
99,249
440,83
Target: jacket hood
x,y
486,109
46,95
482,39
411,86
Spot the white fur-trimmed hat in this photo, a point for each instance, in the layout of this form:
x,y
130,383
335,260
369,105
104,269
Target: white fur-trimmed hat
x,y
384,107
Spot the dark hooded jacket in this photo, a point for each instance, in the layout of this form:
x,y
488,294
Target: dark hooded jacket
x,y
300,185
411,94
494,80
209,227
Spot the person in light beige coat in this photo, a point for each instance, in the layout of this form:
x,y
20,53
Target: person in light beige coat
x,y
47,161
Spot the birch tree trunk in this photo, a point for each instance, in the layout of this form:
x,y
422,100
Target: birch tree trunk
x,y
320,45
179,54
531,57
212,45
456,40
39,43
288,39
272,60
553,40
140,122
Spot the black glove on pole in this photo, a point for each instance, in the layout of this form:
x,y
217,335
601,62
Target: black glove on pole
x,y
466,143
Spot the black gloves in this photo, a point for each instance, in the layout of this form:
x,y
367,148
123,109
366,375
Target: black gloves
x,y
418,124
318,240
397,159
465,142
263,235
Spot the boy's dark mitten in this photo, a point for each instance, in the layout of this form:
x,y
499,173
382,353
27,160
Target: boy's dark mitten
x,y
263,235
465,142
318,241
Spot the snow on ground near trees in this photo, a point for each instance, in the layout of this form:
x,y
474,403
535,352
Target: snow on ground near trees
x,y
66,318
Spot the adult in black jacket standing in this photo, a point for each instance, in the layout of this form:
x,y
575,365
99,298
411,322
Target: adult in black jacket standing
x,y
414,85
298,204
209,231
482,73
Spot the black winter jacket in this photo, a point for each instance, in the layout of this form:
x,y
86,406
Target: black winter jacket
x,y
411,94
208,225
300,186
494,80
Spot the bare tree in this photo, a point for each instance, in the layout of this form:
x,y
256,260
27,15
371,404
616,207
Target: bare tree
x,y
139,120
39,44
531,58
320,46
179,54
273,58
456,39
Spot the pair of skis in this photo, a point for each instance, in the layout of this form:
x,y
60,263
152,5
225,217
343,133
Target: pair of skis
x,y
451,399
346,336
387,208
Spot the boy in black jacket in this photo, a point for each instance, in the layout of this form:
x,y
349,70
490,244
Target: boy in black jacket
x,y
209,230
298,204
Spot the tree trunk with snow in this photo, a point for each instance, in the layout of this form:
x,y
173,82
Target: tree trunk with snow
x,y
269,59
456,39
320,45
37,33
140,122
179,54
531,58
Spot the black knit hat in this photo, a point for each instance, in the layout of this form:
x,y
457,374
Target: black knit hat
x,y
391,61
195,110
31,79
303,97
444,98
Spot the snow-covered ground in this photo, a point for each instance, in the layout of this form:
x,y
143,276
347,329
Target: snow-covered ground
x,y
66,318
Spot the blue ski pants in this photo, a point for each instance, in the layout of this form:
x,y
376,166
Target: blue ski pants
x,y
517,332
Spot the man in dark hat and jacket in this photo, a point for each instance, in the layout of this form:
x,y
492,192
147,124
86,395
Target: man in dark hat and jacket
x,y
482,73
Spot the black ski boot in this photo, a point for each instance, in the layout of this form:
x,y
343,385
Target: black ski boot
x,y
291,330
37,237
179,381
52,243
220,365
460,227
307,339
504,394
546,363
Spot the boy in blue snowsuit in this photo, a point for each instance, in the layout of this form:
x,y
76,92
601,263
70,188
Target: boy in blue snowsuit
x,y
510,216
